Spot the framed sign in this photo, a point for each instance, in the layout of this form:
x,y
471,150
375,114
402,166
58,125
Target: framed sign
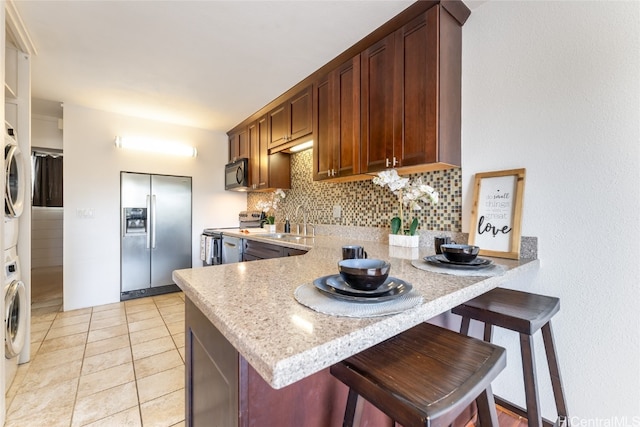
x,y
497,213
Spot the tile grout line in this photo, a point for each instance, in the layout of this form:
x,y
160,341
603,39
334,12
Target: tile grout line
x,y
84,352
133,363
159,306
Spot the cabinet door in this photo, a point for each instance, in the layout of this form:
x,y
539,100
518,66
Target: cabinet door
x,y
211,366
279,171
239,145
323,135
300,115
417,82
292,119
337,122
259,159
234,146
254,159
346,95
377,105
261,250
278,124
263,144
249,257
292,252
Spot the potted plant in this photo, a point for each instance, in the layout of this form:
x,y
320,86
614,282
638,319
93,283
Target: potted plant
x,y
409,194
269,208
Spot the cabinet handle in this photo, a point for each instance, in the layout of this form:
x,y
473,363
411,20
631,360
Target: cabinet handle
x,y
386,162
395,162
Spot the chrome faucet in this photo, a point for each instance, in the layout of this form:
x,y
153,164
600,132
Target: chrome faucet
x,y
304,219
313,229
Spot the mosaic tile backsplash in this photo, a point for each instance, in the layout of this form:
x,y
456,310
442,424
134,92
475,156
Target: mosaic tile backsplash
x,y
362,203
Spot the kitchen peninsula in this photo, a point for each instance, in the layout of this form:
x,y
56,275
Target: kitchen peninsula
x,y
257,356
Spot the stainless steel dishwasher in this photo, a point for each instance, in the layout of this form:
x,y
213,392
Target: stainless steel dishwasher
x,y
231,249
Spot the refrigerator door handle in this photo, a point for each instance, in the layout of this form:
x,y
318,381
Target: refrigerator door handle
x,y
153,221
123,221
147,224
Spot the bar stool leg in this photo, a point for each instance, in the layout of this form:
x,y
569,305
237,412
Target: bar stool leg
x,y
554,371
485,402
534,416
464,326
488,332
353,401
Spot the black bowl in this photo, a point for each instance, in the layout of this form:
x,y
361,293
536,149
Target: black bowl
x,y
459,253
364,274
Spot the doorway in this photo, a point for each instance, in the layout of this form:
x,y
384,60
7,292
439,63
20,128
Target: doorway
x,y
47,205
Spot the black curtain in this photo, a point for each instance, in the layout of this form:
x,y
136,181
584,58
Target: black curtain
x,y
47,187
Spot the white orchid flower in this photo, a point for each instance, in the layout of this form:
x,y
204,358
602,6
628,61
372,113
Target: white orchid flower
x,y
408,193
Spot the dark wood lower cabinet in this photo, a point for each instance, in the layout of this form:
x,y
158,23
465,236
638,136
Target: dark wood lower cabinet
x,y
253,251
223,390
210,373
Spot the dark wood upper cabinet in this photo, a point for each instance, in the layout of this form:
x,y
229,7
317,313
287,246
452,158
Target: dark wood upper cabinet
x,y
239,145
300,114
336,117
279,171
278,133
393,99
416,87
258,162
322,130
378,69
266,172
291,120
411,96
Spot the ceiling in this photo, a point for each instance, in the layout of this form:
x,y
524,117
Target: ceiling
x,y
206,64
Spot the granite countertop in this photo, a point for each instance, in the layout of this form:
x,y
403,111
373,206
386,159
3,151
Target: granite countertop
x,y
252,304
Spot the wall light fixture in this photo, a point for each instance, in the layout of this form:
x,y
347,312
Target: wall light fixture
x,y
173,148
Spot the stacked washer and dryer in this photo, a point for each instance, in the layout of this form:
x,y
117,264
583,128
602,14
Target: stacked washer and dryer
x,y
15,298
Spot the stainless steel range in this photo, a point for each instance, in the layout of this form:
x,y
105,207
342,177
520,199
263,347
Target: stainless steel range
x,y
218,248
250,219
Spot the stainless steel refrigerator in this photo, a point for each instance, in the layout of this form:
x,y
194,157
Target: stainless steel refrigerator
x,y
155,232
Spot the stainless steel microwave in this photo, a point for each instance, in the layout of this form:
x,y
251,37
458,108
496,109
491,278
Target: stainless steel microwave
x,y
236,175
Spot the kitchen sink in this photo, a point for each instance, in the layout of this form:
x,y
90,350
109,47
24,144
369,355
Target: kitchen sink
x,y
288,237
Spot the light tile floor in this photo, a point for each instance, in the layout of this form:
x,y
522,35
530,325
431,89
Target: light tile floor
x,y
112,365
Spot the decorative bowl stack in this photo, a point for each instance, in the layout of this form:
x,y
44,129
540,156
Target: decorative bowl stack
x,y
459,253
364,274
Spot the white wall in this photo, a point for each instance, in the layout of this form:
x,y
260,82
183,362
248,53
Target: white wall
x,y
92,181
45,132
554,87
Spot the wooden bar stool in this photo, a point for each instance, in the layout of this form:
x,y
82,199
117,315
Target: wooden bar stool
x,y
425,376
524,313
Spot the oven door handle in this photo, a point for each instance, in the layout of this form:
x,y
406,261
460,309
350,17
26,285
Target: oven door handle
x,y
217,259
